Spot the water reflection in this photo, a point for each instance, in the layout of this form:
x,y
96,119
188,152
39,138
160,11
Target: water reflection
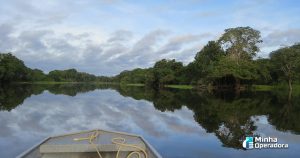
x,y
224,113
14,94
168,118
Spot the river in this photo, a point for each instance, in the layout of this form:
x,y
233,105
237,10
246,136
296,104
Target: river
x,y
178,123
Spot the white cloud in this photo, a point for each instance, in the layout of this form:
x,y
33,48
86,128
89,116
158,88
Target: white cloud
x,y
48,50
282,37
107,37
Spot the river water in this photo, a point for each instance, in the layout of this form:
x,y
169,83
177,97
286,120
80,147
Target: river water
x,y
178,123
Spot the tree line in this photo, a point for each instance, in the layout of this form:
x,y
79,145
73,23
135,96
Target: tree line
x,y
13,69
229,62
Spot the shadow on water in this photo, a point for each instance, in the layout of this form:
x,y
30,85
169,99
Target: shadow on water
x,y
228,115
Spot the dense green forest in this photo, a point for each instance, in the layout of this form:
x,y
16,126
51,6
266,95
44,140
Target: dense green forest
x,y
229,62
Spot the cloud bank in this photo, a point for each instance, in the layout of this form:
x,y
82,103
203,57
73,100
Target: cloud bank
x,y
105,37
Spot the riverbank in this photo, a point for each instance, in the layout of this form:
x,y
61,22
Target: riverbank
x,y
263,87
283,87
54,82
180,86
167,86
253,87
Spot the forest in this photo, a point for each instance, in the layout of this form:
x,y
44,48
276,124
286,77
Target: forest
x,y
229,62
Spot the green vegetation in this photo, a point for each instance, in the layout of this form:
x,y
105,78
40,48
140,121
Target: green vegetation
x,y
287,62
263,87
180,86
135,84
135,76
71,75
13,69
227,63
46,82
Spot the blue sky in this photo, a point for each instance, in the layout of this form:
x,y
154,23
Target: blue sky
x,y
105,37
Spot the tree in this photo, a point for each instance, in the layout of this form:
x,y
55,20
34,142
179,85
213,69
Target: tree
x,y
206,59
134,76
240,43
236,66
167,72
264,71
36,75
287,61
209,53
227,73
12,69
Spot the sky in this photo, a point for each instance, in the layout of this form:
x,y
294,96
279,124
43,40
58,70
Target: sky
x,y
105,37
